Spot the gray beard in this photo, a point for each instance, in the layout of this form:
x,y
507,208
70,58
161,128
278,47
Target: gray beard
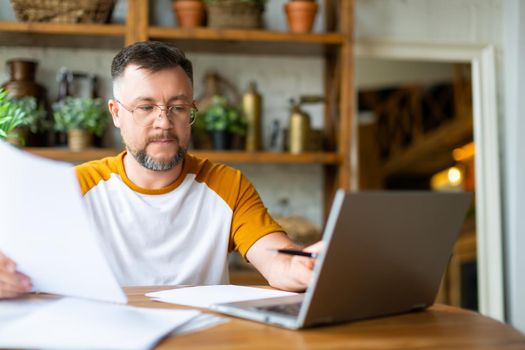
x,y
149,163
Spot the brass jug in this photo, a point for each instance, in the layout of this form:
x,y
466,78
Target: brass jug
x,y
298,129
22,79
251,107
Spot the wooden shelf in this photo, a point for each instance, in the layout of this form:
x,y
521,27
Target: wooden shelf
x,y
195,40
237,157
63,28
62,34
64,154
248,41
268,157
245,35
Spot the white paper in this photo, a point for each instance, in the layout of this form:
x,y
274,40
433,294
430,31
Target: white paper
x,y
11,310
199,323
205,296
45,228
72,323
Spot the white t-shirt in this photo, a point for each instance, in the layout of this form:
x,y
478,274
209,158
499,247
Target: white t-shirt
x,y
180,234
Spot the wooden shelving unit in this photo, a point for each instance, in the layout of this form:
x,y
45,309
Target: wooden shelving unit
x,y
335,46
62,34
244,35
269,157
65,154
248,41
63,28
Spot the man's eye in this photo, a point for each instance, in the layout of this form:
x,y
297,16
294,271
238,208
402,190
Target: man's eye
x,y
146,108
179,109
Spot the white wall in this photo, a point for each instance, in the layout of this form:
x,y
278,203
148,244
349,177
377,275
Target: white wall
x,y
373,73
514,158
443,21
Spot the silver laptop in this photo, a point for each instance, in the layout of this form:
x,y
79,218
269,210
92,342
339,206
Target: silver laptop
x,y
385,254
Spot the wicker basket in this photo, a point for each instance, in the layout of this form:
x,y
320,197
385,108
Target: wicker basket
x,y
234,14
63,11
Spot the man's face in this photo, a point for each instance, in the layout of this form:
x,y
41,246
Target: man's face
x,y
161,144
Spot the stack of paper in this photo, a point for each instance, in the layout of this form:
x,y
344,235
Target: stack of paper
x,y
205,296
65,258
199,323
46,229
72,323
14,309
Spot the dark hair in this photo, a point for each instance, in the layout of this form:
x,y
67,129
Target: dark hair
x,y
151,55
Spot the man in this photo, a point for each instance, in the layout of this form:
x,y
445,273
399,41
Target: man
x,y
164,216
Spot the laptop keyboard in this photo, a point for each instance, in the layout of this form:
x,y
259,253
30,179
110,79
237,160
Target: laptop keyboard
x,y
286,309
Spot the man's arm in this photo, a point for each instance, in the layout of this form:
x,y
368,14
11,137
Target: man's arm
x,y
292,273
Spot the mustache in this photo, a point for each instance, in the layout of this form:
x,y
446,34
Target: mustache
x,y
164,136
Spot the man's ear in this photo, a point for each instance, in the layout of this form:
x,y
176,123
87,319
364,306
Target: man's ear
x,y
113,107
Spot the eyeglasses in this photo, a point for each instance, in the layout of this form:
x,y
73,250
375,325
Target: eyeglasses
x,y
145,114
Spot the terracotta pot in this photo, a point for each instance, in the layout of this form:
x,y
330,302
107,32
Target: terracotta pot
x,y
189,13
301,15
78,139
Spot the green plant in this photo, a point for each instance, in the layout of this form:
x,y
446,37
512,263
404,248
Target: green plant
x,y
12,115
81,113
222,117
35,115
237,123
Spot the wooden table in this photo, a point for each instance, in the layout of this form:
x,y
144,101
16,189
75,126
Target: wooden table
x,y
440,327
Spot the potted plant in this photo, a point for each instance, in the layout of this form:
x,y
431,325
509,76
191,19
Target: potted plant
x,y
237,127
18,117
200,138
223,122
301,15
81,117
235,13
189,13
11,117
33,131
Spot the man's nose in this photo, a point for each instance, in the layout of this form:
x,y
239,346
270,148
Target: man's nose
x,y
163,119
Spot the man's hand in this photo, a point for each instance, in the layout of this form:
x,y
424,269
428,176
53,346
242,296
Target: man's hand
x,y
301,268
12,283
292,273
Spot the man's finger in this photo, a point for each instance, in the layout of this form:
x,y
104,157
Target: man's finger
x,y
309,263
15,281
25,280
7,263
7,293
302,273
315,248
23,276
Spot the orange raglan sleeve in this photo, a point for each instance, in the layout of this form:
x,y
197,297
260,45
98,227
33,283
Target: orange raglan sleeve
x,y
91,173
251,219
